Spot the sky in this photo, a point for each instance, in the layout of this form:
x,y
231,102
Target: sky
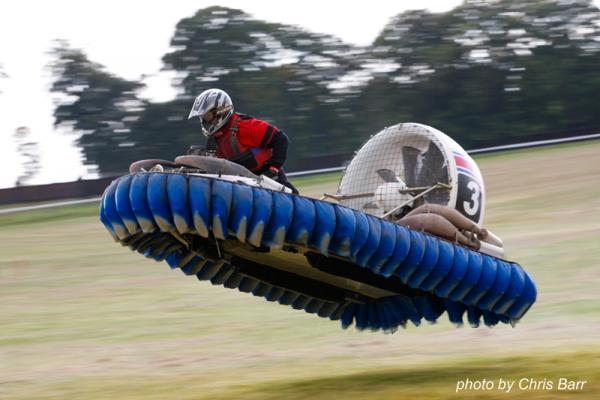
x,y
129,38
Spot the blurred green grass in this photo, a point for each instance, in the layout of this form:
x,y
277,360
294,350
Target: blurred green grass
x,y
55,214
329,178
82,317
421,382
440,381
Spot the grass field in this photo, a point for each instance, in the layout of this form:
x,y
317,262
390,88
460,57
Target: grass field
x,y
83,318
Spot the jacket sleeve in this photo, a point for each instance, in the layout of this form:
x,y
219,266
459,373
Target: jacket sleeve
x,y
279,142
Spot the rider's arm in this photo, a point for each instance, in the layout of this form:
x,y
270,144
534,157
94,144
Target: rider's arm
x,y
278,141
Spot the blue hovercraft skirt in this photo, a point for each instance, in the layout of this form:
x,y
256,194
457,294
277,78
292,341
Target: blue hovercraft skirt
x,y
247,237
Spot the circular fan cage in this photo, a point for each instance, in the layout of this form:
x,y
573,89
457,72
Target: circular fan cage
x,y
398,164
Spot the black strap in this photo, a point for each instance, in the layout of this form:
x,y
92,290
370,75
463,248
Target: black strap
x,y
211,143
233,142
266,136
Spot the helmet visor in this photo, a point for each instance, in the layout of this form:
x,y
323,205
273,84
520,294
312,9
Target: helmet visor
x,y
212,120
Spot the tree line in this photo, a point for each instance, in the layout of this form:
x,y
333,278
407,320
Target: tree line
x,y
486,73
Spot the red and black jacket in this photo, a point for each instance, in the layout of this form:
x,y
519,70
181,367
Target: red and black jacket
x,y
250,142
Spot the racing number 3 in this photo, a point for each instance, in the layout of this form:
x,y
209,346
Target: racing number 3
x,y
472,206
468,201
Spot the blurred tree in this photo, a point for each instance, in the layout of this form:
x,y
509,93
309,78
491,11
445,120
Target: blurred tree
x,y
493,72
272,71
100,106
29,152
486,73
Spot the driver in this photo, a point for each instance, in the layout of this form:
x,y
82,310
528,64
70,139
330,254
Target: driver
x,y
240,138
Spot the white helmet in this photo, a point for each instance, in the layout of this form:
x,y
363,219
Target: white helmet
x,y
212,101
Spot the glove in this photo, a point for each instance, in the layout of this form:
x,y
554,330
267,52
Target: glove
x,y
272,172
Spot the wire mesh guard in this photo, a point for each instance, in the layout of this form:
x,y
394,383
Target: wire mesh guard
x,y
392,168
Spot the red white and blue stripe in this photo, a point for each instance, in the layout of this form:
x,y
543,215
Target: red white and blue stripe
x,y
464,165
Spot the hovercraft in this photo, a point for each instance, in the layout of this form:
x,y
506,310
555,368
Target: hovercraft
x,y
401,240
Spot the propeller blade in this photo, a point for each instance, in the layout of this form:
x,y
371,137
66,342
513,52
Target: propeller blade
x,y
410,158
433,170
388,175
432,166
370,206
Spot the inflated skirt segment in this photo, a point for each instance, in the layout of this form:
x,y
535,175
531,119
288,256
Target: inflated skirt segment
x,y
151,212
